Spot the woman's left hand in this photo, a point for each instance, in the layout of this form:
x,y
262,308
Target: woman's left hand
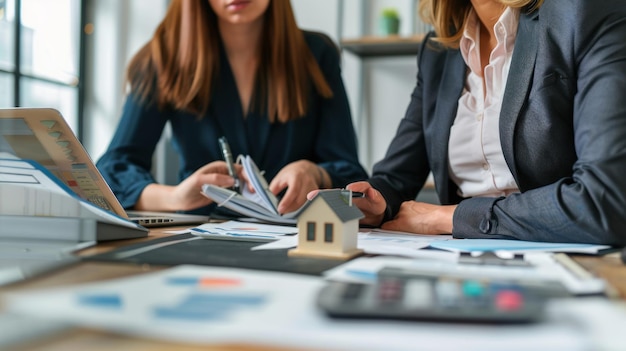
x,y
299,178
422,218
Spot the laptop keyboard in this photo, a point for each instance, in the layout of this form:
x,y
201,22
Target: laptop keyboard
x,y
100,201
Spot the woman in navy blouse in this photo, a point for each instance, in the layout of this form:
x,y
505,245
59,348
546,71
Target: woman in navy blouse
x,y
243,70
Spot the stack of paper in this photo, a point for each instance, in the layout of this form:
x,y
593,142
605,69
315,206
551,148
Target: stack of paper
x,y
31,195
234,230
516,246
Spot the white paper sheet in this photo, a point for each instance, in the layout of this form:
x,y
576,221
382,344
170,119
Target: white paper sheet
x,y
235,230
380,242
516,246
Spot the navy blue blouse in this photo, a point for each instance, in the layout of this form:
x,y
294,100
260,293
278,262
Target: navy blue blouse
x,y
325,135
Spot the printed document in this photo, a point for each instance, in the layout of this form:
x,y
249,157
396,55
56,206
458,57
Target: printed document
x,y
271,310
29,189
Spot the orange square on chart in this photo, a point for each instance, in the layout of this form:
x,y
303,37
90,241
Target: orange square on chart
x,y
218,282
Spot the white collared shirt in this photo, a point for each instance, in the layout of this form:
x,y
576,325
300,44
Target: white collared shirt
x,y
476,161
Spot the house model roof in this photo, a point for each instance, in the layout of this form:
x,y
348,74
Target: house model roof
x,y
340,202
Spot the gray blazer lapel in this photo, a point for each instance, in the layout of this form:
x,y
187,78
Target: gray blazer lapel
x,y
518,84
452,83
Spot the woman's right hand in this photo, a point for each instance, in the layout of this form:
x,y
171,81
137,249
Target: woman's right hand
x,y
188,194
373,205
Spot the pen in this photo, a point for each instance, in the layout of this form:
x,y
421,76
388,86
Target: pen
x,y
355,194
228,157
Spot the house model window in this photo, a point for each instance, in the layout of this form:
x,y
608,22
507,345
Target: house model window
x,y
328,226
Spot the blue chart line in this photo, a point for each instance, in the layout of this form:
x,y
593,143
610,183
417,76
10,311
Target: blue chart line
x,y
361,274
393,240
208,306
107,301
183,281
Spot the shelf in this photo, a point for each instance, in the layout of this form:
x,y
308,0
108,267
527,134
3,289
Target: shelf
x,y
383,46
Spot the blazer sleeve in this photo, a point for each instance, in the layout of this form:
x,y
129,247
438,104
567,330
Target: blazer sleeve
x,y
127,162
336,144
588,206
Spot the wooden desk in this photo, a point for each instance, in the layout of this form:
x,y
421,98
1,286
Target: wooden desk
x,y
608,267
115,244
80,339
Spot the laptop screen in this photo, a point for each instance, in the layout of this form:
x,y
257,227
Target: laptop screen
x,y
42,135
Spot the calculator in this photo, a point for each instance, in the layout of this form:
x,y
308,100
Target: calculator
x,y
399,294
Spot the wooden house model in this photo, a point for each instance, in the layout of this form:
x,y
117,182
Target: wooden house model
x,y
328,226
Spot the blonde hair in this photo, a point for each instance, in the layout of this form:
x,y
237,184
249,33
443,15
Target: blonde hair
x,y
448,16
177,68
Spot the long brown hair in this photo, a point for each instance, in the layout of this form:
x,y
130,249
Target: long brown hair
x,y
448,16
178,66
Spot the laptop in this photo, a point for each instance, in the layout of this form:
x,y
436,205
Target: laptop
x,y
43,135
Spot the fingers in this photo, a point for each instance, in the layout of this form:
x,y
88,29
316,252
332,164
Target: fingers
x,y
278,184
372,202
292,201
373,205
367,189
221,180
213,167
359,186
188,194
298,182
216,173
394,225
311,194
294,197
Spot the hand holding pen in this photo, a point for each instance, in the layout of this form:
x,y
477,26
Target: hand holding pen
x,y
369,200
228,157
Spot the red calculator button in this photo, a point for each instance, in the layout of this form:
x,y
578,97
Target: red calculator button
x,y
509,300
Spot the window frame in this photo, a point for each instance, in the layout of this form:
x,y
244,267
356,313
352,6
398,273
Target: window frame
x,y
19,76
329,232
310,231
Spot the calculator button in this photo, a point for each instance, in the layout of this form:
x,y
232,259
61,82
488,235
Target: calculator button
x,y
509,300
418,293
352,291
473,288
390,290
448,293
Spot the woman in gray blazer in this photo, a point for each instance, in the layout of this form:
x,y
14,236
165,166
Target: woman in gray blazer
x,y
519,111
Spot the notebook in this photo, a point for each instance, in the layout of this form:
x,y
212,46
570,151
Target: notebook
x,y
43,135
261,205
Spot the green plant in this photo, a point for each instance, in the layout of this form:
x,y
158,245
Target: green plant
x,y
389,22
390,13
